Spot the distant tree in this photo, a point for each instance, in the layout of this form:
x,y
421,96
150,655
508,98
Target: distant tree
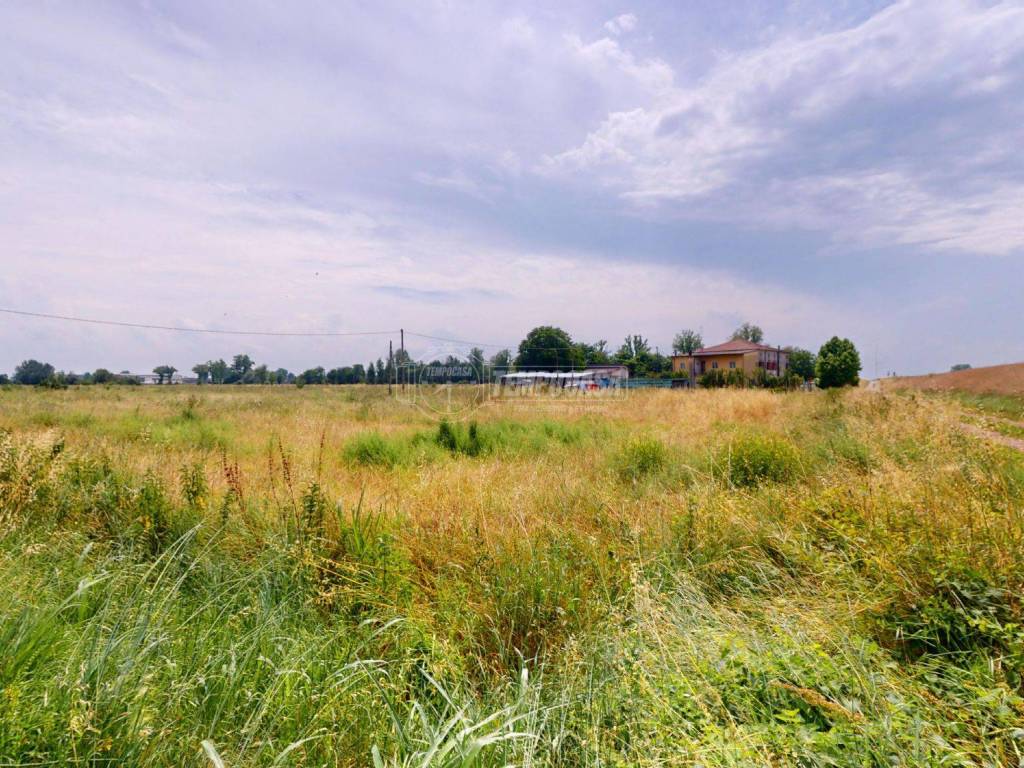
x,y
477,361
635,353
358,374
382,374
596,353
242,364
838,364
749,332
4,379
218,371
502,359
687,342
371,373
961,367
202,372
165,372
313,376
102,376
548,347
281,376
32,372
801,363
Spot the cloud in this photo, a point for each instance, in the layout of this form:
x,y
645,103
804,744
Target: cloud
x,y
859,116
475,170
625,22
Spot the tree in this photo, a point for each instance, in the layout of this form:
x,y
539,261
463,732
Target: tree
x,y
838,364
202,372
687,342
961,367
801,363
595,354
749,332
218,371
4,379
261,374
635,353
165,372
477,362
502,360
382,374
281,376
102,376
242,364
32,372
548,347
313,375
371,373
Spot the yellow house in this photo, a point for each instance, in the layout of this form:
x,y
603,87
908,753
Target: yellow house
x,y
745,356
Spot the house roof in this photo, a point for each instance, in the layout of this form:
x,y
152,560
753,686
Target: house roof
x,y
733,347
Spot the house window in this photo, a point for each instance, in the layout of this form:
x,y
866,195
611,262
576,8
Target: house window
x,y
714,364
732,364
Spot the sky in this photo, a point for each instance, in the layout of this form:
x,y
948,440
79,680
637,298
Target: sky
x,y
472,170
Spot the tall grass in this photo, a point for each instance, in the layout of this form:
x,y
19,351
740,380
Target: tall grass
x,y
712,578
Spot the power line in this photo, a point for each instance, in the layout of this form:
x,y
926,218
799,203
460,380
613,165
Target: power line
x,y
180,329
237,332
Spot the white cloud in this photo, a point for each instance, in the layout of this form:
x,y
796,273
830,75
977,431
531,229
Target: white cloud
x,y
762,120
625,22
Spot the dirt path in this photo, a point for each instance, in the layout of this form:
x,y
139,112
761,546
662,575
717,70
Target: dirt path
x,y
1010,442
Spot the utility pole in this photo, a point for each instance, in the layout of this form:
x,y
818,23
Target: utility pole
x,y
391,363
402,331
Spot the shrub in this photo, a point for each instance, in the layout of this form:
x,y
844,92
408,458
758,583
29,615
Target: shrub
x,y
641,458
752,460
372,449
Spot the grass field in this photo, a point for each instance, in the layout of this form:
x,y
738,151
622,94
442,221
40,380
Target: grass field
x,y
257,576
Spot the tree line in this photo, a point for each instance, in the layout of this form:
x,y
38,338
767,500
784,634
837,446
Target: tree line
x,y
544,348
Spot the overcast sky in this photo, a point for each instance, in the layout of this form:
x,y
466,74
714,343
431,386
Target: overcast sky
x,y
473,170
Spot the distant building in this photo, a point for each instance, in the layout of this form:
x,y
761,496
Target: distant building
x,y
152,378
745,356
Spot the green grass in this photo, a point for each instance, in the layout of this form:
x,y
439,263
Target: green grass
x,y
1007,406
715,579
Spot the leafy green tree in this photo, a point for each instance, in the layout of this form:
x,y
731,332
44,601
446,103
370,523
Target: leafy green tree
x,y
477,361
961,367
32,372
502,359
636,354
382,373
218,371
596,353
802,363
548,347
371,373
242,364
313,375
261,374
202,372
358,374
281,376
165,373
102,376
4,379
838,364
687,342
749,332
